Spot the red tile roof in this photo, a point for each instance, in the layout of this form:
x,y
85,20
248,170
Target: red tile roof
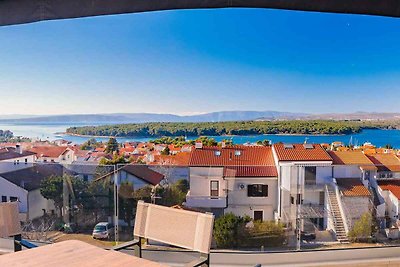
x,y
48,151
386,162
249,161
299,152
392,186
352,158
352,187
145,173
250,171
180,159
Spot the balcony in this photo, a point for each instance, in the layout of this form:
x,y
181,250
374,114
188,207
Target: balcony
x,y
312,186
205,201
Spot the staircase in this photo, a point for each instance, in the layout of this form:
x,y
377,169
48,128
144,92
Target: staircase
x,y
341,235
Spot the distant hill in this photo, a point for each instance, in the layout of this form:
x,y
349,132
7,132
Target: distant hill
x,y
356,116
222,116
153,117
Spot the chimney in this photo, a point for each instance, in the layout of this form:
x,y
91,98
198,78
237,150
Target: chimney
x,y
198,145
223,144
18,148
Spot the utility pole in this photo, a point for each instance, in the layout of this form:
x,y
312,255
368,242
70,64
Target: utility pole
x,y
298,211
116,204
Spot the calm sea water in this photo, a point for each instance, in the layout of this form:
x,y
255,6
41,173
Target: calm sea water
x,y
52,132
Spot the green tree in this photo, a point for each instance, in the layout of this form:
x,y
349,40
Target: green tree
x,y
165,151
52,188
174,194
112,145
90,144
229,229
114,161
362,228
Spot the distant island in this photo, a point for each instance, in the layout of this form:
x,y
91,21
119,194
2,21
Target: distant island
x,y
219,116
158,129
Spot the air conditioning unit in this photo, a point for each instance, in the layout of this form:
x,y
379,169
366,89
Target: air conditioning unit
x,y
242,186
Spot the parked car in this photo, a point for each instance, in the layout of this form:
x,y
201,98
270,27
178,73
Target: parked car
x,y
103,230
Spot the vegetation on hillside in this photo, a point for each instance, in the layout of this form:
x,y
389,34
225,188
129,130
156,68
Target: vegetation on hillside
x,y
168,129
8,136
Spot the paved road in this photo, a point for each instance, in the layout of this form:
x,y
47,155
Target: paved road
x,y
370,256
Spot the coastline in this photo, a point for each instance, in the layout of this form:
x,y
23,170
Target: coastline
x,y
280,134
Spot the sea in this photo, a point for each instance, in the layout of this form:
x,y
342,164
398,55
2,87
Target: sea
x,y
53,132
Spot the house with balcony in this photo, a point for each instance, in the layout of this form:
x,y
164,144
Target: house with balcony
x,y
387,180
238,179
387,165
354,175
352,164
304,171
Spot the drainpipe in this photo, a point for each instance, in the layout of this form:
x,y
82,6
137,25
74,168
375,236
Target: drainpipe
x,y
227,193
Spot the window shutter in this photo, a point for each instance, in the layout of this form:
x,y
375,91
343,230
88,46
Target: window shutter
x,y
250,190
265,190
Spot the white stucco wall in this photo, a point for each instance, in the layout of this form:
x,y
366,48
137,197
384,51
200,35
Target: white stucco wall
x,y
16,164
346,171
356,206
11,190
237,196
324,175
37,203
200,178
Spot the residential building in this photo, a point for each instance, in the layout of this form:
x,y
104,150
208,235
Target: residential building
x,y
14,158
238,179
388,165
24,186
304,171
54,154
173,167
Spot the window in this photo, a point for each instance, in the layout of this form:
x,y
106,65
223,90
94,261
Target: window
x,y
26,161
13,199
3,198
214,188
85,177
258,215
217,153
292,199
321,198
367,175
238,152
390,175
257,190
310,175
299,199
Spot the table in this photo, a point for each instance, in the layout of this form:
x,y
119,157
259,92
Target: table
x,y
72,253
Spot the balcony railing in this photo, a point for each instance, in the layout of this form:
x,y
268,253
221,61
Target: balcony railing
x,y
205,201
314,186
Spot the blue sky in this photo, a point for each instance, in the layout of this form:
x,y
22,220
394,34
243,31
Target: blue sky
x,y
197,61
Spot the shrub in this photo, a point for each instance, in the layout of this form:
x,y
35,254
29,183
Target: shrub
x,y
229,229
362,228
267,233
